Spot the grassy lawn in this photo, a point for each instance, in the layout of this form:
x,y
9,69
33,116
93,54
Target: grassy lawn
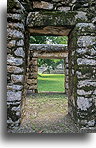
x,y
51,82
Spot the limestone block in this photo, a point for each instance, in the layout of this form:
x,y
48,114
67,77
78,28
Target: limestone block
x,y
85,27
14,96
83,51
16,26
63,8
85,61
14,69
11,44
14,61
20,52
14,16
84,83
85,41
14,33
84,103
14,87
20,43
17,78
32,81
81,16
33,87
42,5
82,92
91,123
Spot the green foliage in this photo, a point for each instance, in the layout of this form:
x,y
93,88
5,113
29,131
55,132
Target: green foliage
x,y
51,82
48,39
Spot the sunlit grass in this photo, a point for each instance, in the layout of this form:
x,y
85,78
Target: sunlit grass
x,y
51,82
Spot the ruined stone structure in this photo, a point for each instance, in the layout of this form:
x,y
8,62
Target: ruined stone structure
x,y
73,18
42,51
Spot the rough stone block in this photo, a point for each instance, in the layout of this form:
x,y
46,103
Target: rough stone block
x,y
17,78
14,96
42,5
14,69
14,87
14,61
14,34
85,41
20,52
84,103
20,43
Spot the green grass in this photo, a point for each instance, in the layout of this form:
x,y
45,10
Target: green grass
x,y
51,82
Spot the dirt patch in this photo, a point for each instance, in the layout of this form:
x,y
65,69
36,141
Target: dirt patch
x,y
47,113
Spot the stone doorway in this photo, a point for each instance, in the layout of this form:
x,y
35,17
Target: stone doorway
x,y
74,19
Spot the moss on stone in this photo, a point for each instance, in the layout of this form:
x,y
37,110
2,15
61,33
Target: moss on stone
x,y
10,5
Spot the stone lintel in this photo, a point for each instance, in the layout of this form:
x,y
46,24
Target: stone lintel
x,y
54,18
48,47
50,30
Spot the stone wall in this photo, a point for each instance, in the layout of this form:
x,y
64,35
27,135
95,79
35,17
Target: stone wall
x,y
82,74
73,18
15,62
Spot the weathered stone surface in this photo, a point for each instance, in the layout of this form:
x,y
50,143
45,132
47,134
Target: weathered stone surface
x,y
14,69
14,61
20,52
48,47
85,61
56,18
85,28
63,8
32,81
14,87
17,78
84,83
15,26
42,5
11,44
14,33
82,92
84,103
14,16
20,43
85,41
14,96
50,30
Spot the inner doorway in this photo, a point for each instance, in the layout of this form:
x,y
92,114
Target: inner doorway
x,y
51,75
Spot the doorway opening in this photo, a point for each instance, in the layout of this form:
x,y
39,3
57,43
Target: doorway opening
x,y
51,75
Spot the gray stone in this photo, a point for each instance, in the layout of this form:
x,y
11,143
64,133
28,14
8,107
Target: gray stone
x,y
14,61
14,96
81,16
16,25
20,43
83,83
85,61
42,5
14,87
83,103
85,41
64,8
20,52
17,78
14,16
48,47
14,69
11,44
82,92
14,33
